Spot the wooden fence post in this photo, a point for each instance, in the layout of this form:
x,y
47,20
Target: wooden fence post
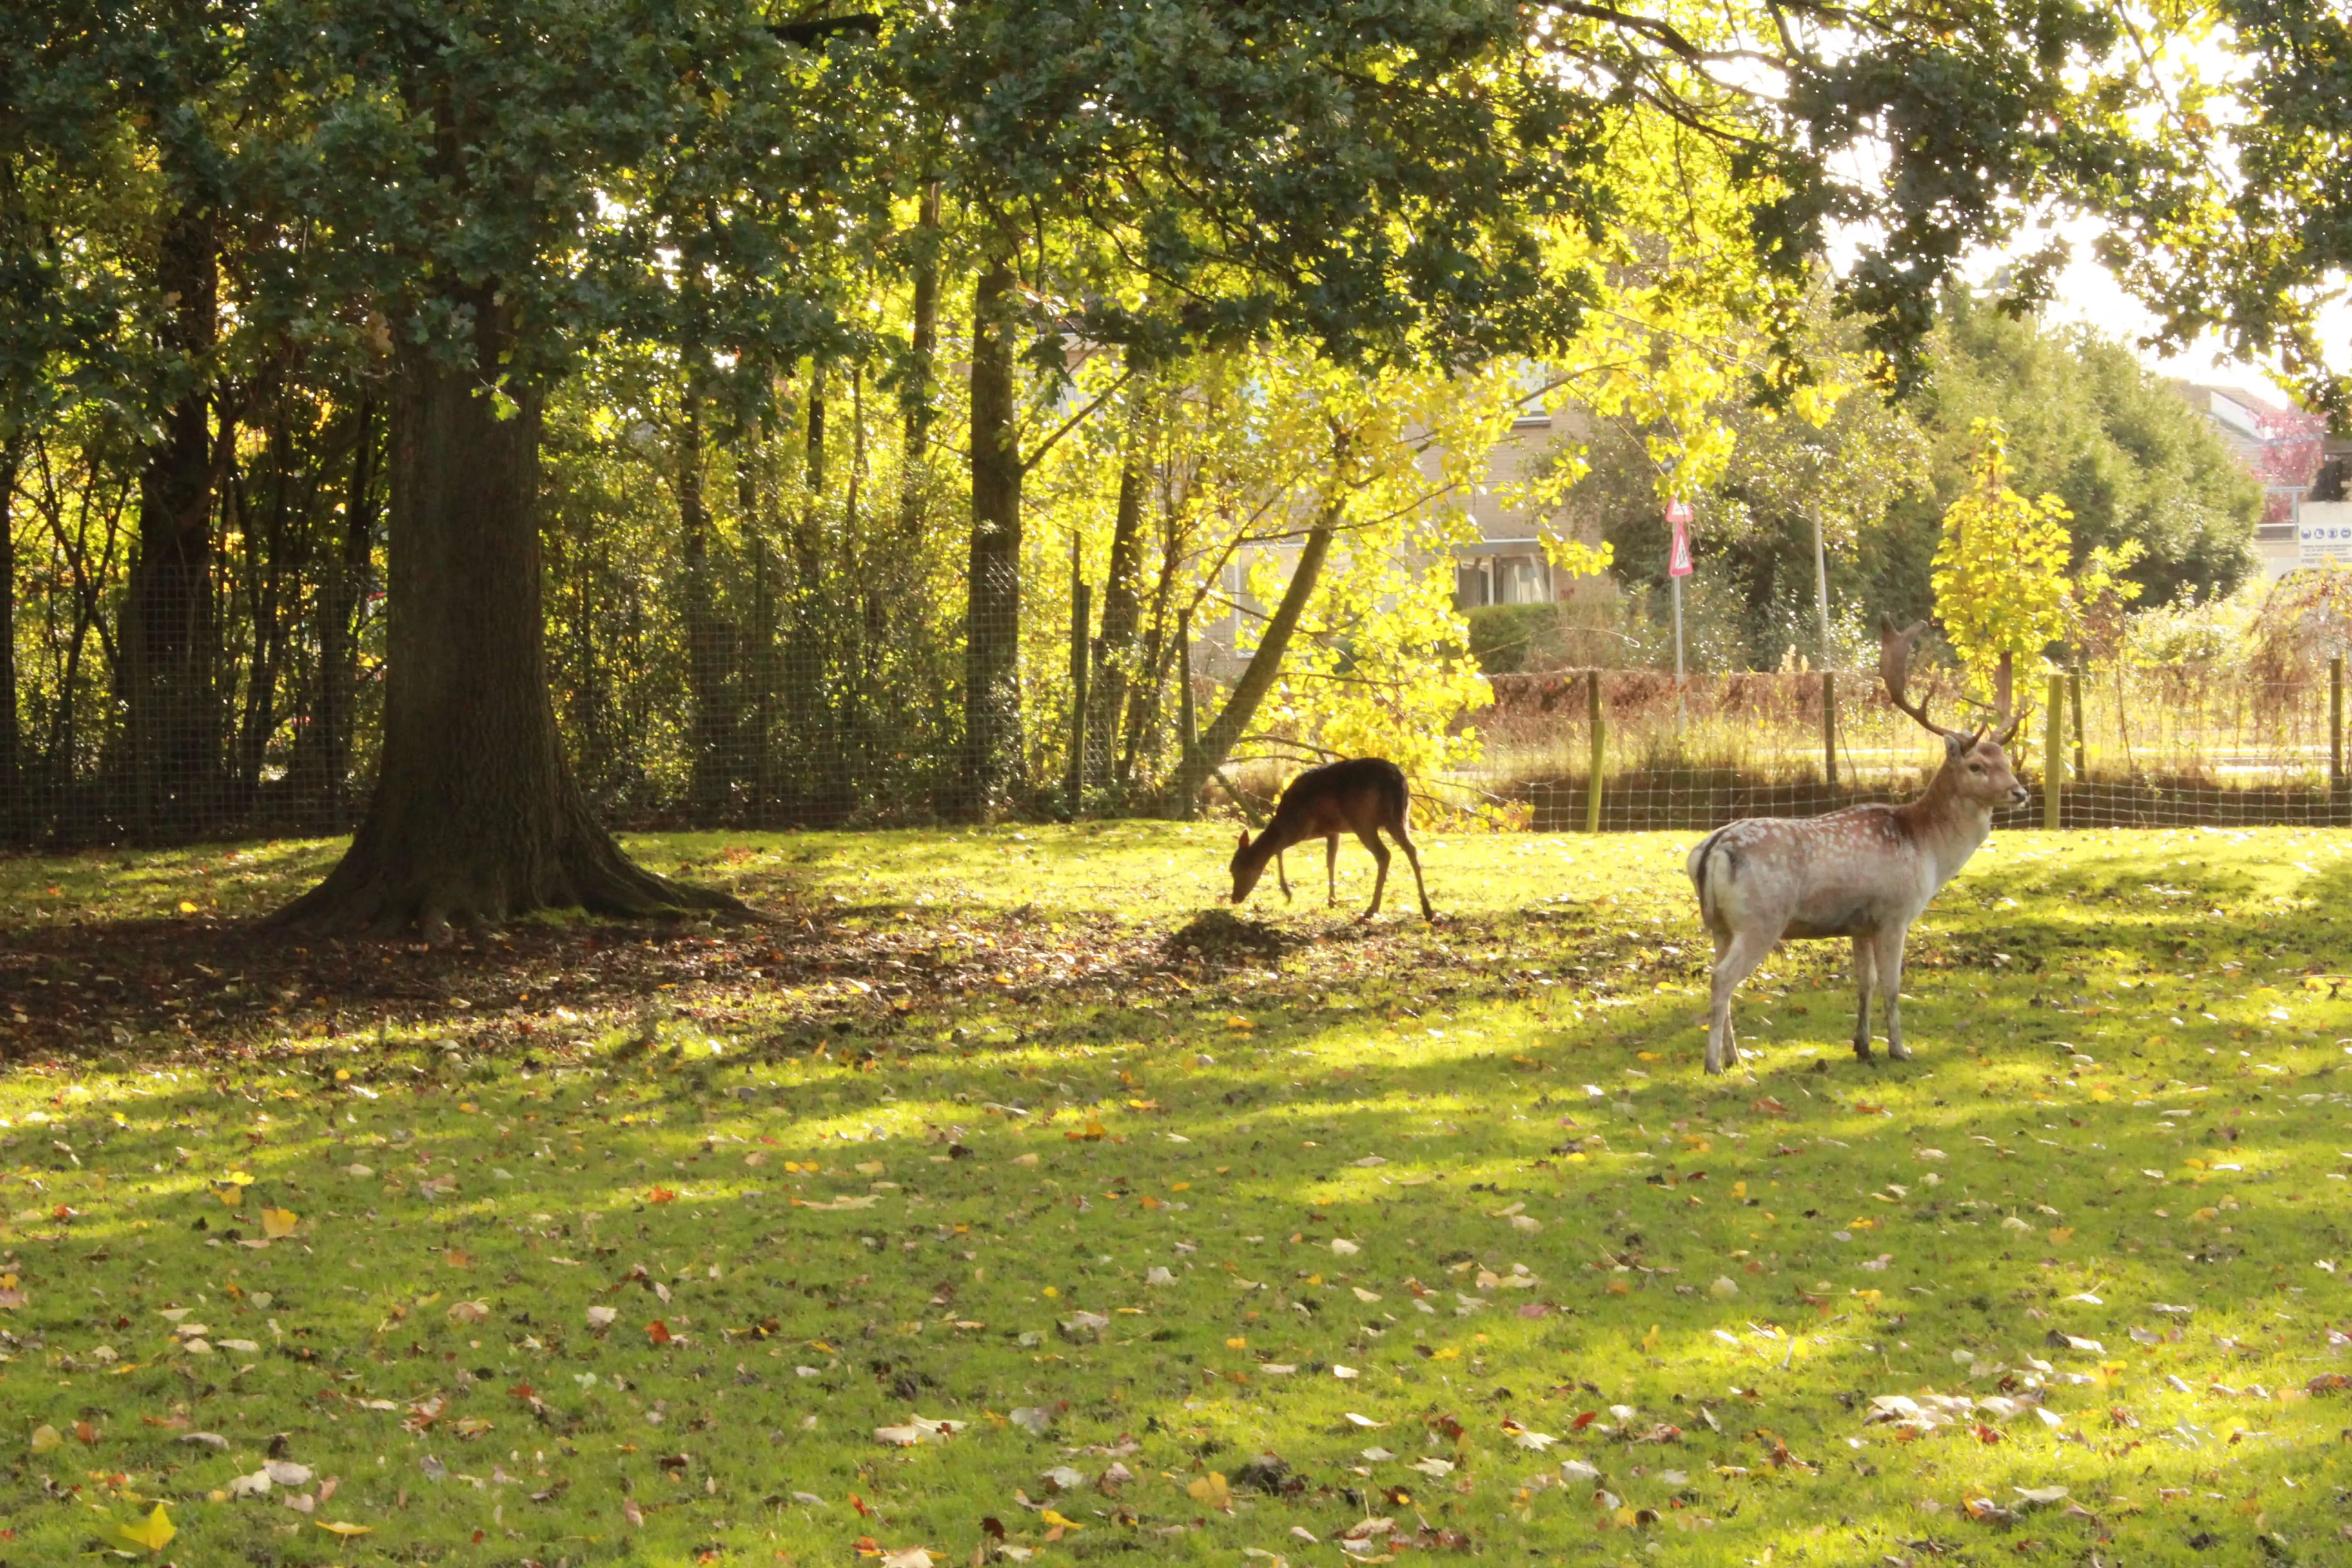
x,y
2081,747
1829,728
2338,784
1600,750
2054,754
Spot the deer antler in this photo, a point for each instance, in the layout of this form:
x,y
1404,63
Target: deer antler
x,y
1895,667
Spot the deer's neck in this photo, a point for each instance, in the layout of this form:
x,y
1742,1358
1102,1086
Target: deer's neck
x,y
1949,825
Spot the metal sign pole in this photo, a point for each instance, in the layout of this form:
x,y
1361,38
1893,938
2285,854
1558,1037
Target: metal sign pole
x,y
1821,587
1678,567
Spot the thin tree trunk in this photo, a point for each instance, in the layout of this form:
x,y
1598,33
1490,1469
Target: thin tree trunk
x,y
1216,743
760,665
168,623
476,816
1122,603
992,699
270,564
340,593
1143,699
915,467
806,649
12,788
711,642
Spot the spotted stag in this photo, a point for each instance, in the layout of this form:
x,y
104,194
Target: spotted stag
x,y
1866,872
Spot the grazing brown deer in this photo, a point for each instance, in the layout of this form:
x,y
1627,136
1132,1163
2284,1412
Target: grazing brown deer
x,y
1866,872
1362,795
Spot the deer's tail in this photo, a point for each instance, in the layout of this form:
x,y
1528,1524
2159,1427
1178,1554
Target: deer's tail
x,y
1696,865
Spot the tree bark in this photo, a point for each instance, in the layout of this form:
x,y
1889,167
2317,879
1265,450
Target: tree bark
x,y
476,816
168,631
992,770
1216,743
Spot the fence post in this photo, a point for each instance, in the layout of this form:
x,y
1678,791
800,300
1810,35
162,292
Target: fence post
x,y
1185,739
1829,728
1081,607
2053,753
1600,750
2338,784
2081,747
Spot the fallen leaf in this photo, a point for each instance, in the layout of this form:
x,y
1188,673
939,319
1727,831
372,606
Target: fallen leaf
x,y
149,1534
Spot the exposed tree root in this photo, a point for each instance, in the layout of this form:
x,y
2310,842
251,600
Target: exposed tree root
x,y
383,887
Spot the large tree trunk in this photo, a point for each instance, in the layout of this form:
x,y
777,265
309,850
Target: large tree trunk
x,y
1216,743
167,634
992,697
476,816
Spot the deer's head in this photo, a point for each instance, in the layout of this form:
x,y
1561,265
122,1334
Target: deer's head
x,y
1247,868
1975,761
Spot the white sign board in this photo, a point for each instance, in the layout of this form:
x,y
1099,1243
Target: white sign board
x,y
2323,529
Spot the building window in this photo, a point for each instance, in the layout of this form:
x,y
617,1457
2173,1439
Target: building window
x,y
1518,580
1470,586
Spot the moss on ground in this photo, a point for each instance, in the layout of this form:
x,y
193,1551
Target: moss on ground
x,y
1143,1227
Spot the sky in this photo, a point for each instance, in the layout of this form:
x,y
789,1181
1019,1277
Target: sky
x,y
2088,293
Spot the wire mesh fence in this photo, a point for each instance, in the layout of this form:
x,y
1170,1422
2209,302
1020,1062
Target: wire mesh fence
x,y
2134,747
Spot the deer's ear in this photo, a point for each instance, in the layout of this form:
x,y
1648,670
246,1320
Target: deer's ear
x,y
1953,747
1245,838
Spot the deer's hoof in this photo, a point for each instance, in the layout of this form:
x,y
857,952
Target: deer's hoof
x,y
1900,1053
1862,1050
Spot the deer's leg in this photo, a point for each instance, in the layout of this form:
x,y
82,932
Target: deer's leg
x,y
1371,839
1282,876
1737,959
1864,968
1890,985
1331,871
1412,859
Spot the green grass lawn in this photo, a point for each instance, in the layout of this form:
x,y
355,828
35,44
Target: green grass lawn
x,y
1001,1193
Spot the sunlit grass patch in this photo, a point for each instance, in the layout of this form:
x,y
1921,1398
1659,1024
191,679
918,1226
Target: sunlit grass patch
x,y
1205,1234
